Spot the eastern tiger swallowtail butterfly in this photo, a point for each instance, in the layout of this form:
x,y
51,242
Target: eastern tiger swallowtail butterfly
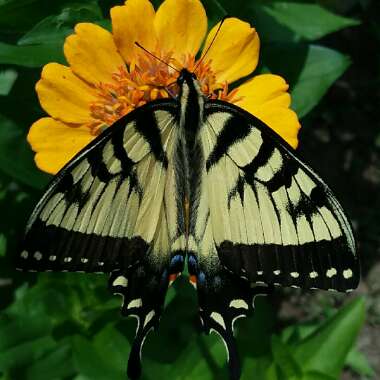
x,y
198,180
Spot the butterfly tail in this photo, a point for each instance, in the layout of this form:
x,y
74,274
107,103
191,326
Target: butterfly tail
x,y
134,361
224,298
226,334
143,295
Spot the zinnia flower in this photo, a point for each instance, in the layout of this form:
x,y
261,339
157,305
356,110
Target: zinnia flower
x,y
108,75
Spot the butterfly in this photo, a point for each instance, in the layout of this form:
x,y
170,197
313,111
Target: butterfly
x,y
199,181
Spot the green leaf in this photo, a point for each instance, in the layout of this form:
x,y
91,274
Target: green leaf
x,y
284,359
56,364
262,367
7,79
15,332
310,70
25,353
31,55
307,20
316,375
326,349
54,29
280,20
113,347
91,364
20,15
359,363
254,333
16,158
3,245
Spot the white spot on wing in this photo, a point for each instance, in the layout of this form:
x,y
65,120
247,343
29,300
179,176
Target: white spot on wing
x,y
313,274
120,281
24,254
239,303
38,255
347,273
294,274
331,272
149,317
217,317
135,303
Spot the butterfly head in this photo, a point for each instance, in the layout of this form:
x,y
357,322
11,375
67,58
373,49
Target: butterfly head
x,y
188,85
186,76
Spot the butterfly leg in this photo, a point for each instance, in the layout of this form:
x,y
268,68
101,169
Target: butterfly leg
x,y
143,288
223,298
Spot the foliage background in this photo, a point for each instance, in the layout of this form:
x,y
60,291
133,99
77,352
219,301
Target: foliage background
x,y
66,326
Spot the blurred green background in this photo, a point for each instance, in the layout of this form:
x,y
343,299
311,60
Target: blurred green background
x,y
67,326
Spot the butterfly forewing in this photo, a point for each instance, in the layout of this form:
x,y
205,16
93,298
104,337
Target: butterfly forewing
x,y
273,219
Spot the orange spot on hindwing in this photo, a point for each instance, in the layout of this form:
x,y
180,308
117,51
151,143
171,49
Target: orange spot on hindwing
x,y
193,281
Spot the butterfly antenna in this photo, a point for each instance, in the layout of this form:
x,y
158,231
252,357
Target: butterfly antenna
x,y
154,56
212,41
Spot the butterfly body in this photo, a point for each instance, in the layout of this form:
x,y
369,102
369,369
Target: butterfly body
x,y
198,180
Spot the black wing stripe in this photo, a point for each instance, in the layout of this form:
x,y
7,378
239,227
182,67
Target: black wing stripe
x,y
120,152
234,130
152,136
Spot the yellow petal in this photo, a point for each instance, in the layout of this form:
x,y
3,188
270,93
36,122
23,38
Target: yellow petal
x,y
264,89
235,51
63,95
181,26
265,96
283,121
56,143
133,22
92,54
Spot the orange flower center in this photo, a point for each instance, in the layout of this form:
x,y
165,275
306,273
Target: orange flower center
x,y
149,79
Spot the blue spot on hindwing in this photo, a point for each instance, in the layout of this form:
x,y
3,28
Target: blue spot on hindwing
x,y
176,264
193,264
201,278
